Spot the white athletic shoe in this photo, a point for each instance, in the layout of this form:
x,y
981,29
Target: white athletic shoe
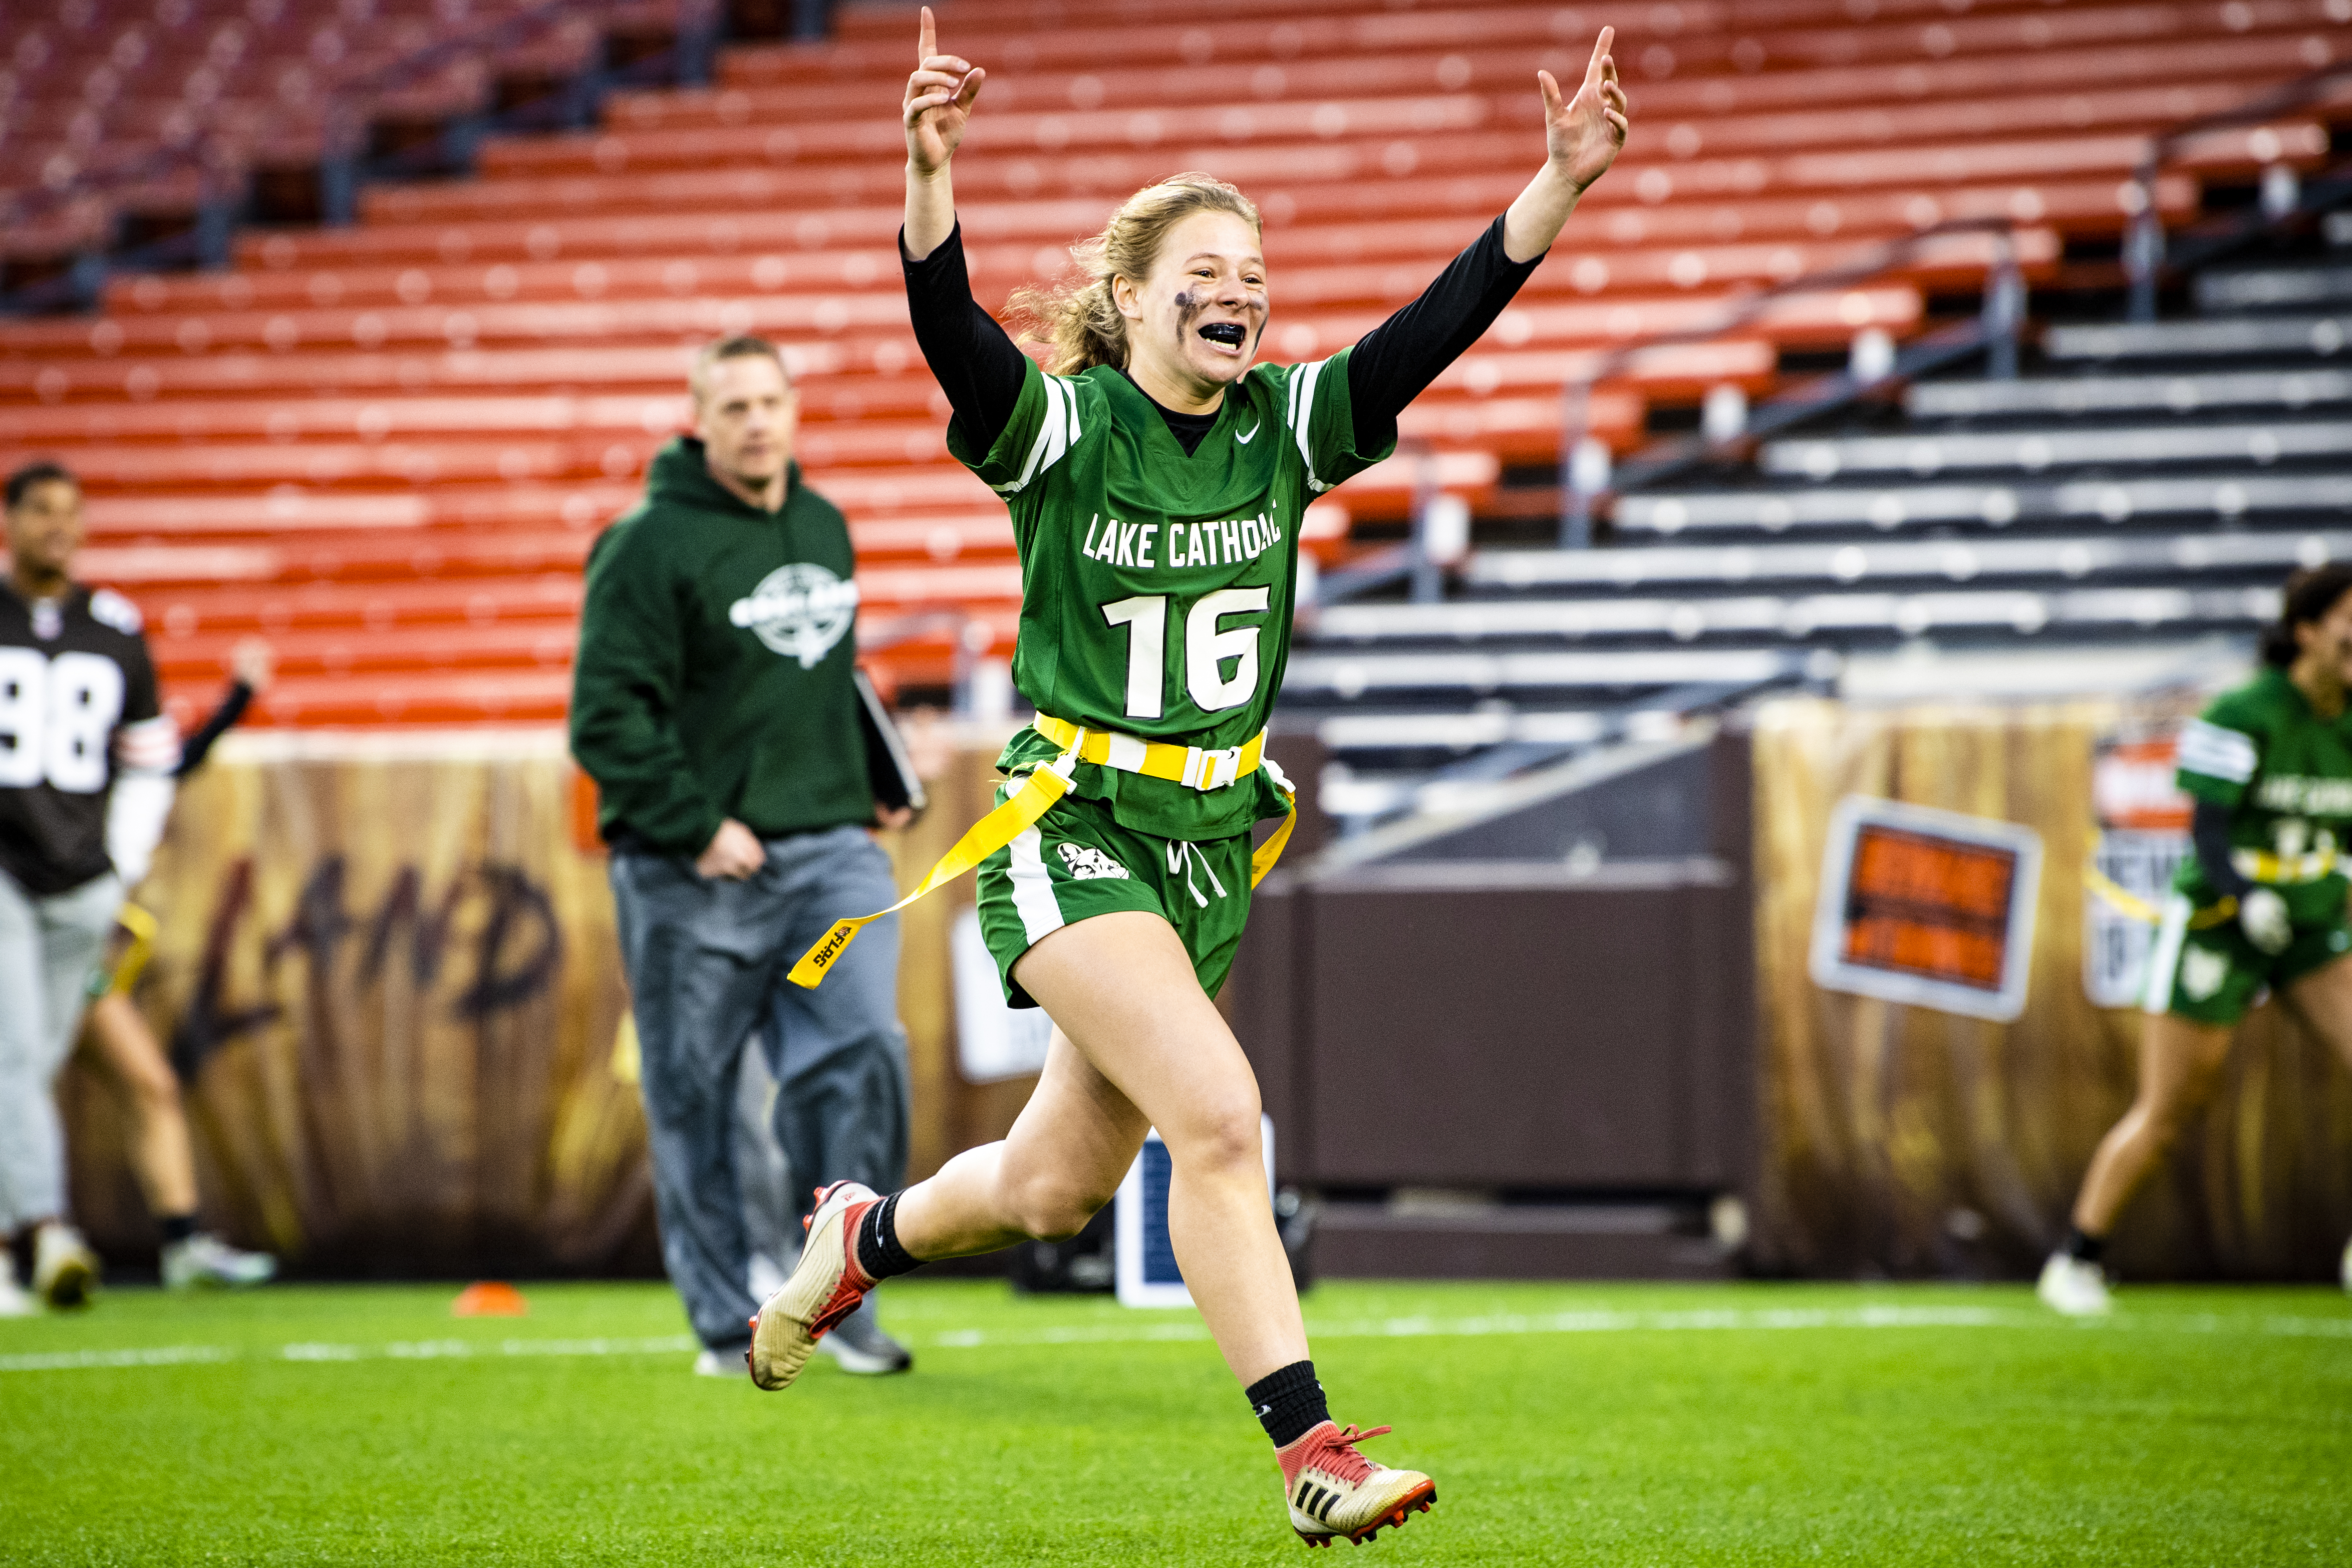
x,y
1332,1491
858,1344
826,1288
2072,1287
204,1259
15,1301
65,1271
711,1364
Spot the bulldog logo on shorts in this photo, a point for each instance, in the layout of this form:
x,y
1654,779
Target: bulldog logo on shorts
x,y
2202,970
1088,862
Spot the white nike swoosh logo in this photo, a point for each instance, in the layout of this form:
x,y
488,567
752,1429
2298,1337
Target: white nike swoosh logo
x,y
1244,440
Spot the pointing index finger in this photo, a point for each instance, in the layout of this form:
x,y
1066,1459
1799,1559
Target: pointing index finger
x,y
929,37
1600,52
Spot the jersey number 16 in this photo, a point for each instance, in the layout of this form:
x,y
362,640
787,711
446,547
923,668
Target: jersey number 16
x,y
1207,649
56,716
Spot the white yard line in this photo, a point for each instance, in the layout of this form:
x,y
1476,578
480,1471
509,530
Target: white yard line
x,y
397,1350
1154,1329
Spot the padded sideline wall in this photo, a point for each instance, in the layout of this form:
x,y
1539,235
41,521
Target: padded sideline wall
x,y
1901,1141
395,978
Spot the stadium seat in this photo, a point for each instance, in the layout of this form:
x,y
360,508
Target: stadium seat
x,y
423,419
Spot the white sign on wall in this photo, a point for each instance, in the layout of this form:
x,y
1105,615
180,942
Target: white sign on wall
x,y
994,1041
1928,907
1143,1253
2143,838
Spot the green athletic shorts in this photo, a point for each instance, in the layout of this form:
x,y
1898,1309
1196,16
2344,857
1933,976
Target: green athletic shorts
x,y
1076,862
2214,974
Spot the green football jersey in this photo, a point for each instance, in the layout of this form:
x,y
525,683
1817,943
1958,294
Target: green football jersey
x,y
2285,776
1157,588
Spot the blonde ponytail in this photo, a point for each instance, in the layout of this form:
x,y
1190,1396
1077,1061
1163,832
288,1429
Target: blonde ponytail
x,y
1077,316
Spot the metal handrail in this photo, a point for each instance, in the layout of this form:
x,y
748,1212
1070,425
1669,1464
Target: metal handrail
x,y
2144,246
1584,474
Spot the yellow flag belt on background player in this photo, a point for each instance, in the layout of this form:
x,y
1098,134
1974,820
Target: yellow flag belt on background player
x,y
2130,906
1046,784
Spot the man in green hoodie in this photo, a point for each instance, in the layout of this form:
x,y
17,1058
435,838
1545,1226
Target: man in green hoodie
x,y
712,702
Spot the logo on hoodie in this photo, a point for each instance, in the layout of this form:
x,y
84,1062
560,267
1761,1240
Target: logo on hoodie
x,y
800,610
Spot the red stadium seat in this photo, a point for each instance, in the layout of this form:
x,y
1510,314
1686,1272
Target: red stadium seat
x,y
389,447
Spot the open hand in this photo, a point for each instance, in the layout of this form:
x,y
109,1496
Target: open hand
x,y
1583,135
938,101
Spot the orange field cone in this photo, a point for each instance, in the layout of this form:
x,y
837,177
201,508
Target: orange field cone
x,y
489,1299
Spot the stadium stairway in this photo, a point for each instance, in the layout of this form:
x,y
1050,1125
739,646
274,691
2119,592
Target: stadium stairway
x,y
388,445
2111,522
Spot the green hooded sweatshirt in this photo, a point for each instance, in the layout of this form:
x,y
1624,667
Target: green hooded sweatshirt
x,y
713,676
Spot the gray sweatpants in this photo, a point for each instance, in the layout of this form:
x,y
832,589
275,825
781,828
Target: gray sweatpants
x,y
48,949
707,961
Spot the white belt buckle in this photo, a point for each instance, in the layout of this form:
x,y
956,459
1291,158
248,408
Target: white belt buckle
x,y
1207,771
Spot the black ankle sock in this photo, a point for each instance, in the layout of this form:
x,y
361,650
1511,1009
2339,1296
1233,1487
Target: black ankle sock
x,y
175,1227
1290,1403
2084,1248
878,1252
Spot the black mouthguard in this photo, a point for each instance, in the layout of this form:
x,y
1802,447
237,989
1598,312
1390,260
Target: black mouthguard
x,y
1227,333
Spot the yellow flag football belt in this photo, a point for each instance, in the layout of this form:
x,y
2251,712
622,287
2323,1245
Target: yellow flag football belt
x,y
2132,906
2284,871
1191,765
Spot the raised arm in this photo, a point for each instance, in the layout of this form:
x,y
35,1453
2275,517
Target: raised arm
x,y
937,110
977,364
1398,359
1581,139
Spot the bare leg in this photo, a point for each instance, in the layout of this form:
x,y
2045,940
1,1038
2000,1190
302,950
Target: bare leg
x,y
119,1039
2179,1069
2323,1000
1060,1162
1145,1046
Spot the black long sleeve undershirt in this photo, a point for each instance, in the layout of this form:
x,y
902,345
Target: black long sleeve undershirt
x,y
194,750
2208,835
979,368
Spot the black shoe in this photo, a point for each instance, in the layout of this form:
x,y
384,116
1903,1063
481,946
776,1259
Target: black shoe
x,y
858,1344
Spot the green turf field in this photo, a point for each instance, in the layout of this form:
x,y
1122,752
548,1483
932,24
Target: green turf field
x,y
1604,1424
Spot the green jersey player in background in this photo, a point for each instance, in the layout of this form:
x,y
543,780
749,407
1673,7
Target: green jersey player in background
x,y
2259,906
1156,475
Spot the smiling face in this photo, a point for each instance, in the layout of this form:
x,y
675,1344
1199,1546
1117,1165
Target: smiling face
x,y
1193,325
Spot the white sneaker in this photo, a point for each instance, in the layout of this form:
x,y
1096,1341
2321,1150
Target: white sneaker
x,y
858,1344
1332,1491
2072,1287
825,1288
65,1271
204,1259
711,1364
15,1301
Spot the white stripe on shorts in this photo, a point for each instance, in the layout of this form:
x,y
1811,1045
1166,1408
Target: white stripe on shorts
x,y
1033,891
2164,958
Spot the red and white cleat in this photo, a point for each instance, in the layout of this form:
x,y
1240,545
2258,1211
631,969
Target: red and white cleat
x,y
824,1288
1333,1490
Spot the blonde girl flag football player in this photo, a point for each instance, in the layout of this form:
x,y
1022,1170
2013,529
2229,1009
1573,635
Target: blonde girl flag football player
x,y
2258,904
1156,475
